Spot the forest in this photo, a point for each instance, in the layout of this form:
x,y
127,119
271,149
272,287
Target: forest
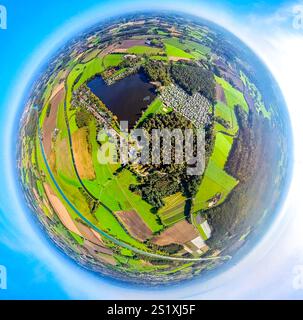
x,y
163,179
157,71
194,79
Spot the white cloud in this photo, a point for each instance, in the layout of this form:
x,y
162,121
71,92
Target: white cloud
x,y
281,18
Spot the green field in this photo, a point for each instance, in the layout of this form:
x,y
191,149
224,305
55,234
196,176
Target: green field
x,y
60,121
233,96
108,223
70,190
87,71
104,172
47,95
103,219
155,107
173,210
78,239
113,190
139,265
117,197
184,267
216,180
227,113
173,51
144,50
119,71
197,34
197,51
155,30
52,82
91,55
64,171
112,60
222,148
162,58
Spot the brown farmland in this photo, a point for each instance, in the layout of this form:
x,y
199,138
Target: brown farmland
x,y
134,224
88,234
109,49
220,95
63,159
126,44
180,233
234,80
49,124
176,59
97,248
61,211
82,154
57,89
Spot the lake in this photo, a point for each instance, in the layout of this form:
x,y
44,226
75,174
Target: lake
x,y
125,98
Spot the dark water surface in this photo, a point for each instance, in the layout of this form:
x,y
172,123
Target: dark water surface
x,y
125,98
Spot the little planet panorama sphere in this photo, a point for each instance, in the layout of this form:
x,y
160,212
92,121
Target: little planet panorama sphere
x,y
102,191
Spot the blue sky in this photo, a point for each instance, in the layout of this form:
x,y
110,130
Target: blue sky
x,y
35,268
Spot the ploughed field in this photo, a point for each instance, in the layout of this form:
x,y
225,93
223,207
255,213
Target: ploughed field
x,y
133,221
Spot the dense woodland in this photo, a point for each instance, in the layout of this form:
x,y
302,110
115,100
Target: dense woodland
x,y
190,77
244,146
194,79
246,163
166,179
157,71
83,118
